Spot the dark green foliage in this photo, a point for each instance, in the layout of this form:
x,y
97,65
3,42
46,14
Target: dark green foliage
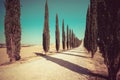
x,y
74,40
57,34
63,35
105,14
93,21
12,29
109,34
90,41
87,38
46,33
77,42
70,38
67,37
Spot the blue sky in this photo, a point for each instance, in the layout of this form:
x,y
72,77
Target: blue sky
x,y
32,18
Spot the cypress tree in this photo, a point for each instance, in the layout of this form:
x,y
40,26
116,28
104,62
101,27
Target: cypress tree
x,y
93,22
46,33
109,35
63,35
67,37
13,29
87,31
105,14
70,38
73,40
90,41
77,42
57,34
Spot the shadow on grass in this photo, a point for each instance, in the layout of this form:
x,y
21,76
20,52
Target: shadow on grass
x,y
71,66
75,55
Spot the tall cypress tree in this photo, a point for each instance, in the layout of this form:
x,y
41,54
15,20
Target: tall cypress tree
x,y
70,40
67,37
90,41
72,36
73,40
87,31
63,35
109,35
13,29
46,33
105,14
93,21
57,34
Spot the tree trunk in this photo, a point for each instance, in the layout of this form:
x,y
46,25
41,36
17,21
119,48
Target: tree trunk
x,y
112,74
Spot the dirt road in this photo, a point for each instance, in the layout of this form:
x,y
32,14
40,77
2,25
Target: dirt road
x,y
74,64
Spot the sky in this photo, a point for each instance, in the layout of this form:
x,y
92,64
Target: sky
x,y
32,18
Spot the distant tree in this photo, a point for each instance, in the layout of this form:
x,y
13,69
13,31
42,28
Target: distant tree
x,y
57,34
108,19
70,38
67,37
46,33
73,40
12,29
63,35
78,42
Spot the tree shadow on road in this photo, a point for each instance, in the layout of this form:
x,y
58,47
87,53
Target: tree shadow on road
x,y
78,51
71,66
75,55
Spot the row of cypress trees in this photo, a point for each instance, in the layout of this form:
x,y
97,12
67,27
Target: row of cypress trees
x,y
70,42
103,30
13,31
